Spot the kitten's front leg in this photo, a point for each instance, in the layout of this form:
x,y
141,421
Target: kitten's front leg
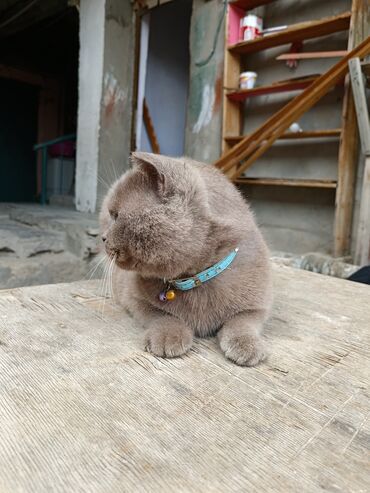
x,y
168,337
240,338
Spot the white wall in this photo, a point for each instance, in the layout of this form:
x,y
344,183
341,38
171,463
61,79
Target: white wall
x,y
92,18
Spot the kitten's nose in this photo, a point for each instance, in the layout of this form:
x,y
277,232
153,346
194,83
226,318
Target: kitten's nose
x,y
104,238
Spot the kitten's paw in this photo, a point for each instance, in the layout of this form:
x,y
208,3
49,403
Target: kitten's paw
x,y
243,349
168,342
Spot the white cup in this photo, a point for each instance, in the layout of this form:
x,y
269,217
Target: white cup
x,y
247,80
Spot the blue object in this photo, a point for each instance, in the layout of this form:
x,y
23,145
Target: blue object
x,y
206,275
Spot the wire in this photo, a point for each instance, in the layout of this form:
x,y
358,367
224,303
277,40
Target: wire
x,y
212,52
18,14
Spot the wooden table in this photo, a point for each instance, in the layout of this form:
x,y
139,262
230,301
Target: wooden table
x,y
84,409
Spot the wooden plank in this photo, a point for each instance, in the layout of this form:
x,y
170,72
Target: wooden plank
x,y
297,32
348,149
362,252
275,126
312,55
287,182
21,75
312,134
150,129
84,408
232,113
284,86
362,112
250,4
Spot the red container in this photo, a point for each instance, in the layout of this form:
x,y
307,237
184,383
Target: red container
x,y
63,149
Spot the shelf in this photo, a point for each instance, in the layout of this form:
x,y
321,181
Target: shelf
x,y
287,182
296,32
285,86
250,4
312,55
313,134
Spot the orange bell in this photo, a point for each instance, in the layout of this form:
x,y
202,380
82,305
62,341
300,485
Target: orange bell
x,y
170,295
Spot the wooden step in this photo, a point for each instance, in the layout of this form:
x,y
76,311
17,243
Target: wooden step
x,y
312,134
284,86
287,182
296,32
250,4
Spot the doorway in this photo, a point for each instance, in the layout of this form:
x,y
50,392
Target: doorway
x,y
164,77
18,130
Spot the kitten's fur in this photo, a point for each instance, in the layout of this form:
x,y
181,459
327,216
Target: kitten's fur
x,y
172,218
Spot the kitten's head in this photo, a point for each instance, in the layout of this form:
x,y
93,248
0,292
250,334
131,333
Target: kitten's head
x,y
155,219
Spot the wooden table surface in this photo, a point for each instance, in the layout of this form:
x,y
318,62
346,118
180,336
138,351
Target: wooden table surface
x,y
84,409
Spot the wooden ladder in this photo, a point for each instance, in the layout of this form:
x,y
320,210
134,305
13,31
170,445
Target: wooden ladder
x,y
240,152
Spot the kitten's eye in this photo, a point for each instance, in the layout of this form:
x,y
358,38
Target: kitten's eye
x,y
113,215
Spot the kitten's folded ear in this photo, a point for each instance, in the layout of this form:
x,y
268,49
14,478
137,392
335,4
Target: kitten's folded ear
x,y
152,166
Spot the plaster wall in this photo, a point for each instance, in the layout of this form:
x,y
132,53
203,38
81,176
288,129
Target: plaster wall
x,y
117,90
105,97
204,114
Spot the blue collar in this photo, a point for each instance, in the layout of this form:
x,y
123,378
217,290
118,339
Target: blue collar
x,y
206,275
195,281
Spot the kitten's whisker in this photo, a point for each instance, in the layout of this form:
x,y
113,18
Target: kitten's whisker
x,y
108,283
114,170
94,268
111,278
103,182
104,280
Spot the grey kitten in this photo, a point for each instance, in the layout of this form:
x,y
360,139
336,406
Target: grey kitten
x,y
171,218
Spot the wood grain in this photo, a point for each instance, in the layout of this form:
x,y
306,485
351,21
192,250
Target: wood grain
x,y
254,145
306,134
287,182
84,409
349,142
296,32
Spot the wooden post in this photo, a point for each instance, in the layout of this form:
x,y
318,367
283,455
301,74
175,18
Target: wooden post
x,y
348,148
363,233
232,114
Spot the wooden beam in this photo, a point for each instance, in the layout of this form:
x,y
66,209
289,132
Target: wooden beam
x,y
348,149
150,129
21,75
250,4
296,32
312,55
359,95
295,84
254,145
362,112
287,182
362,252
310,134
232,114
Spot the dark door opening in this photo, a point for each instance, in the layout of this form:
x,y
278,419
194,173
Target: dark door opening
x,y
18,130
38,98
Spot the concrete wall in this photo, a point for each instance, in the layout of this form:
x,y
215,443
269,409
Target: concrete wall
x,y
203,128
105,97
116,109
